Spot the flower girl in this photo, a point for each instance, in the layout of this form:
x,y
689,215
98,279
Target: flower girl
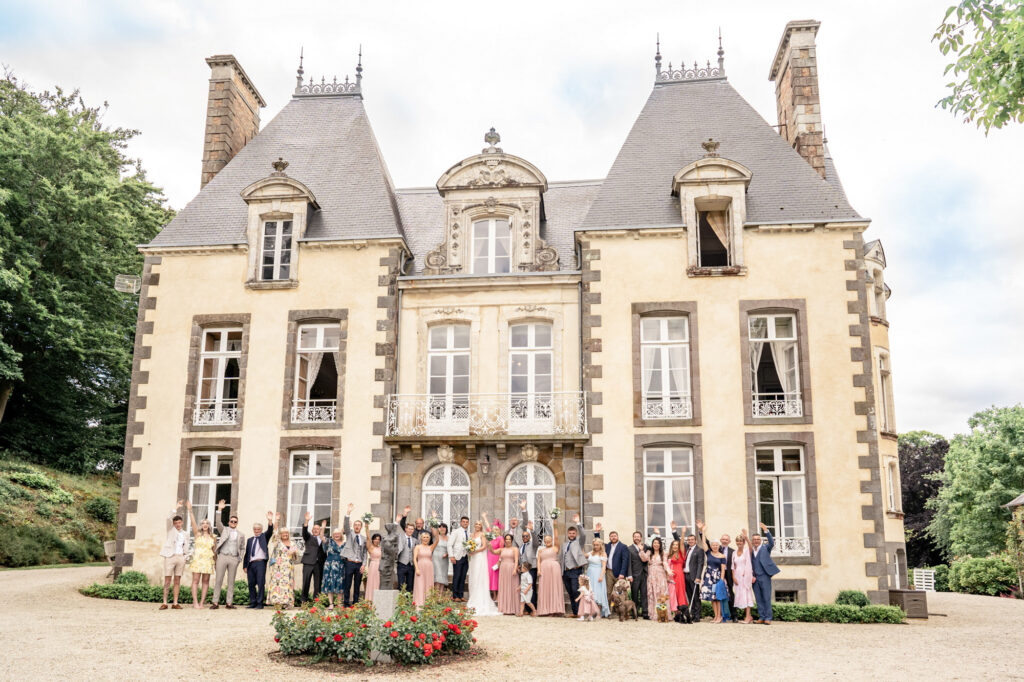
x,y
588,607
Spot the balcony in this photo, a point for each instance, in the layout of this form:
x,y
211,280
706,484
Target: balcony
x,y
314,411
487,415
213,413
777,405
792,547
673,406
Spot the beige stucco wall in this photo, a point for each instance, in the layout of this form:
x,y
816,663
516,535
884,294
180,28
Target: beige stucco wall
x,y
196,284
781,265
888,450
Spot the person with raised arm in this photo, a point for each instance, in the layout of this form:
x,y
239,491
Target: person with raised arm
x,y
334,565
353,554
764,569
313,557
406,567
254,564
201,564
229,549
573,561
638,558
713,584
617,565
281,575
743,576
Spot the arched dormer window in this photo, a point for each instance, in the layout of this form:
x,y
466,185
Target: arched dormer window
x,y
491,247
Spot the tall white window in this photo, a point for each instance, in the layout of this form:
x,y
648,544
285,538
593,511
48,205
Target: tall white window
x,y
309,488
878,294
317,361
668,489
211,482
219,372
276,254
895,502
448,380
782,496
885,378
665,367
446,494
530,377
534,483
774,366
491,247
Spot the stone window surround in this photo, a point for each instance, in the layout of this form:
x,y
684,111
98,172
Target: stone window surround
x,y
425,324
798,585
296,318
650,440
890,464
290,444
191,446
199,324
883,418
793,306
805,439
686,309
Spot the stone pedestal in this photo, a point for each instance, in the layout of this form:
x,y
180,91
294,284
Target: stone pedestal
x,y
384,604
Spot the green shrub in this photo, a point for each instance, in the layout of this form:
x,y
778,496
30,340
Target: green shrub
x,y
823,613
34,479
941,577
853,598
983,575
59,496
132,578
102,509
33,546
10,493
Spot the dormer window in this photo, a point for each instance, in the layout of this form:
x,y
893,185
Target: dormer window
x,y
276,255
491,252
713,239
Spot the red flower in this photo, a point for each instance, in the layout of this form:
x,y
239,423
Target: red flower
x,y
417,644
403,613
364,625
277,639
387,624
474,640
427,650
407,636
347,634
458,631
422,636
313,610
319,639
394,634
447,609
337,638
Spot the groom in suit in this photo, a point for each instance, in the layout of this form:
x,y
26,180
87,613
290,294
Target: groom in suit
x,y
313,558
406,568
638,558
460,561
764,568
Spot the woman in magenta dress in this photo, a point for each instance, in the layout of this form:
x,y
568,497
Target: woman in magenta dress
x,y
508,580
677,561
493,556
743,576
423,560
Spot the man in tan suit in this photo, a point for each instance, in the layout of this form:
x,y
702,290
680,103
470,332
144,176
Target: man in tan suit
x,y
229,548
174,550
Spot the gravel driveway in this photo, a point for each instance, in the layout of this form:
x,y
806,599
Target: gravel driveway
x,y
51,631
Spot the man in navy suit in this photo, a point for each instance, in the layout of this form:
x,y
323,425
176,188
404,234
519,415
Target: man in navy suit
x,y
617,565
764,569
254,563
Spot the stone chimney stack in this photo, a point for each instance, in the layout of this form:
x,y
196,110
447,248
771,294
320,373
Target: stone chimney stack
x,y
795,72
232,113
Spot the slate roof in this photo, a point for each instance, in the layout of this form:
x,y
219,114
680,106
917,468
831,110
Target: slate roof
x,y
330,147
565,205
666,137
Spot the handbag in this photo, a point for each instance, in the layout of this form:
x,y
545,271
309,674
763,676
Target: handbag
x,y
721,590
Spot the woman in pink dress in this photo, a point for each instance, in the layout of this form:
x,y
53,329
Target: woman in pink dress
x,y
372,571
492,556
657,578
508,579
550,595
423,560
743,576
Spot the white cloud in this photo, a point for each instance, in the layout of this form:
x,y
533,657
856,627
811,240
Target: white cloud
x,y
563,82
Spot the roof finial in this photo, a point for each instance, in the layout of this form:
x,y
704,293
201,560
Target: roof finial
x,y
492,138
721,54
298,74
710,148
279,166
359,66
657,54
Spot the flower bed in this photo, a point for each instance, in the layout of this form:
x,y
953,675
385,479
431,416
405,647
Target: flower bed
x,y
413,637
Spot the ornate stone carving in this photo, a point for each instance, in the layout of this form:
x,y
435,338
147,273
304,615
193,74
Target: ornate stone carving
x,y
448,311
546,258
530,308
446,454
436,261
529,452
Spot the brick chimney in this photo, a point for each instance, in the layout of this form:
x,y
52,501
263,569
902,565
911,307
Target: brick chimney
x,y
232,113
795,72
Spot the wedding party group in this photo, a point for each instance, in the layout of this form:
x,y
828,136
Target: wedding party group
x,y
496,570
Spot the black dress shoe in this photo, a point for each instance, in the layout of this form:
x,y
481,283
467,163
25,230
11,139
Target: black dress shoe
x,y
250,606
229,606
213,606
260,608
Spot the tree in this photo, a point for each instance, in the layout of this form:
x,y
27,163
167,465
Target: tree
x,y
922,454
1015,544
987,40
984,470
73,207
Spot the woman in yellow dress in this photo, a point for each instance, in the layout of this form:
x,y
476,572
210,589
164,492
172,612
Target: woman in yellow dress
x,y
280,575
202,563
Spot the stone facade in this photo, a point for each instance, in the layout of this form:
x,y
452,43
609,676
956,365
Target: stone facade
x,y
232,114
795,72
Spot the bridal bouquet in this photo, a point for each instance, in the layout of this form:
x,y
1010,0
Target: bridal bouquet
x,y
491,534
555,512
367,518
470,546
434,522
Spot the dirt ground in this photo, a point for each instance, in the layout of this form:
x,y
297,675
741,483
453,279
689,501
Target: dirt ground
x,y
49,630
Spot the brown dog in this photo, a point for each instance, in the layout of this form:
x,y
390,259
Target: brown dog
x,y
662,608
621,603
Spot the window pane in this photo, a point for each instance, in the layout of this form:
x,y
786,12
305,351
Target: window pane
x,y
784,328
461,336
460,364
682,497
791,459
654,461
650,329
202,465
765,460
212,341
677,328
201,500
480,229
759,327
286,227
224,465
519,335
270,227
542,363
542,476
656,516
268,272
234,343
439,337
324,464
652,369
332,336
681,461
438,365
542,336
300,465
655,490
323,493
308,337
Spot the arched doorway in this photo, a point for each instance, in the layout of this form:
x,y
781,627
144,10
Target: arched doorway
x,y
446,493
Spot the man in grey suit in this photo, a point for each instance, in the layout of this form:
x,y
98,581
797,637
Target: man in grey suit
x,y
406,569
572,559
313,558
229,548
528,544
353,554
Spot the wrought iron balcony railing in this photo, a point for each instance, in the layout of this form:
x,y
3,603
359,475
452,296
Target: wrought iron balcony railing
x,y
668,407
211,413
777,405
314,411
487,414
792,546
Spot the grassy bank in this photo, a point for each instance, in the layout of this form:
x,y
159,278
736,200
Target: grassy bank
x,y
51,517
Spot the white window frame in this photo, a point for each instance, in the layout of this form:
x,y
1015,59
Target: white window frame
x,y
218,410
311,479
448,412
314,410
669,404
446,490
786,544
729,237
895,497
885,384
283,244
210,482
668,476
540,498
531,411
770,405
492,260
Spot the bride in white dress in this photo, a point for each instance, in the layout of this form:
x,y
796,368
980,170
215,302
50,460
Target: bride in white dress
x,y
479,580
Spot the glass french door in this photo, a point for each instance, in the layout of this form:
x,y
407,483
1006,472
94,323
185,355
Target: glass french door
x,y
446,493
530,378
448,380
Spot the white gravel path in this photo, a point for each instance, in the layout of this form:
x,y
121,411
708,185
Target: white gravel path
x,y
49,631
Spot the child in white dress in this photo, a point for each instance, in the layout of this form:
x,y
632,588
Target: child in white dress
x,y
526,590
588,607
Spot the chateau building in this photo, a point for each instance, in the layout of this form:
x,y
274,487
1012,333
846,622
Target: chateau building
x,y
701,334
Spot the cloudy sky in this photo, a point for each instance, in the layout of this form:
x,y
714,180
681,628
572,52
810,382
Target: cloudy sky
x,y
563,82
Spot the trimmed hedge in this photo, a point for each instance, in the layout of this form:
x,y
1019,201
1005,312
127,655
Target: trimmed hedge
x,y
136,590
132,578
822,613
990,575
853,598
941,577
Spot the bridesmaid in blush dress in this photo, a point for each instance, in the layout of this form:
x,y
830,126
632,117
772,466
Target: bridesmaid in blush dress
x,y
508,581
423,559
373,570
743,576
550,595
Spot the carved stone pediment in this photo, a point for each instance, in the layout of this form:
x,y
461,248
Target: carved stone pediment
x,y
495,169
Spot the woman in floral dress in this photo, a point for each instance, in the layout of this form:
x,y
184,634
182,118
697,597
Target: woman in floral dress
x,y
657,577
333,568
372,571
280,576
713,585
202,563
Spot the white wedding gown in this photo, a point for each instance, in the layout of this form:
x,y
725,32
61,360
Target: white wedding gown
x,y
480,586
